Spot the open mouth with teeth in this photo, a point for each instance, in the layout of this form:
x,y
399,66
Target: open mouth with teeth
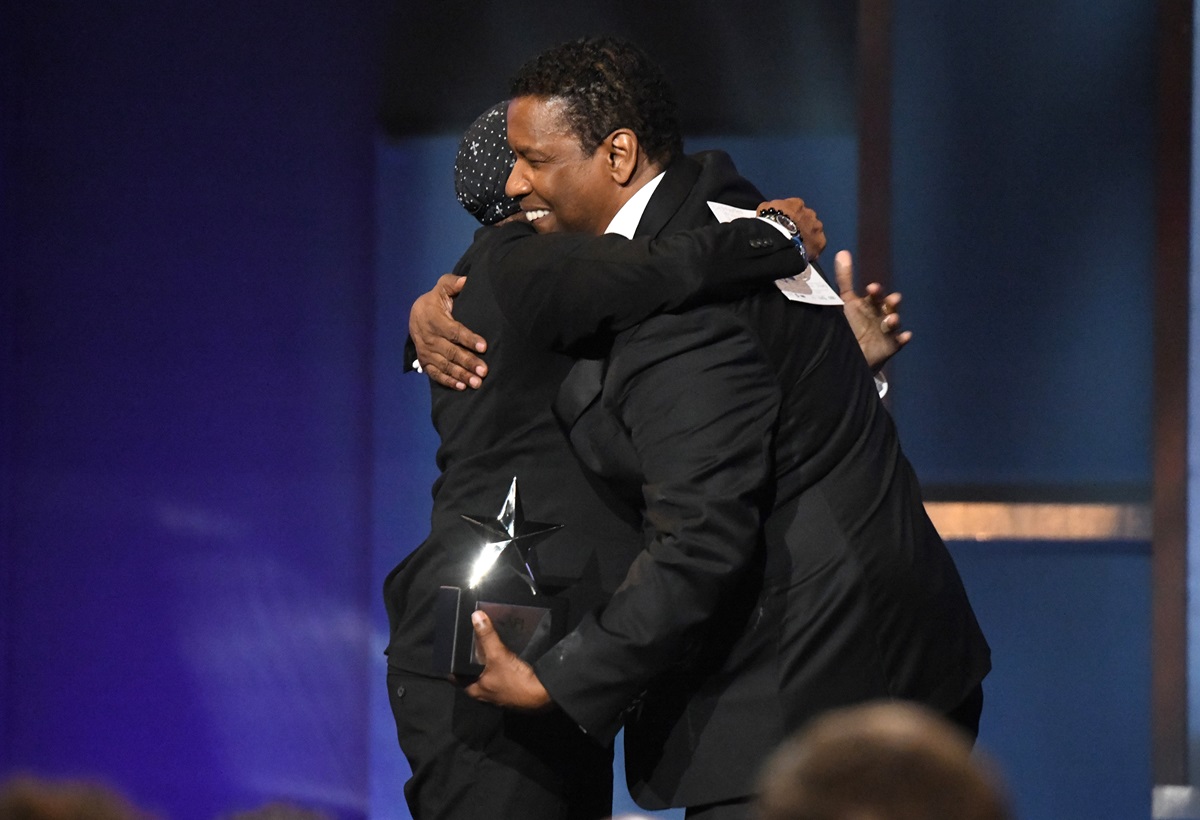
x,y
535,214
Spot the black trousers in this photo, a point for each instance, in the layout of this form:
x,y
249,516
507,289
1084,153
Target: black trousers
x,y
472,760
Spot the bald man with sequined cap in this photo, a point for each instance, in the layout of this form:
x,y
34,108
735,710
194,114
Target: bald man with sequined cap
x,y
470,759
482,166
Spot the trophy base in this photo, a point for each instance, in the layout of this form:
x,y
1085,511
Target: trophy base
x,y
528,628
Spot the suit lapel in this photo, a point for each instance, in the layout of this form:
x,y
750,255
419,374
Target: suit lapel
x,y
583,383
676,184
578,391
582,387
599,440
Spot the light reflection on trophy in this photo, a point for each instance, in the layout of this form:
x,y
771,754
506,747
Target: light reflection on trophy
x,y
502,583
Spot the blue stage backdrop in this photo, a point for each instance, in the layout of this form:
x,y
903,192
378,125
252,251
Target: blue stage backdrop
x,y
211,457
1023,240
187,452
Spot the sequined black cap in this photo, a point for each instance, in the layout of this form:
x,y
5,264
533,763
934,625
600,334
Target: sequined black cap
x,y
482,167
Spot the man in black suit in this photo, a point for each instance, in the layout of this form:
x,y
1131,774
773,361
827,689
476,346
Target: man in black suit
x,y
788,564
470,759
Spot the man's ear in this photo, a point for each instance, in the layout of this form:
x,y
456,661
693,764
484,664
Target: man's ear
x,y
623,155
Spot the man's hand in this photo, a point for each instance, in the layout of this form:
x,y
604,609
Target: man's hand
x,y
874,318
446,348
812,231
506,679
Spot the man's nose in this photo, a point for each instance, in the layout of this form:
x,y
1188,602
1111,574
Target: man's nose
x,y
517,185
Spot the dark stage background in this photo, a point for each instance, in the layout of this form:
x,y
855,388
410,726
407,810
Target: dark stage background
x,y
215,216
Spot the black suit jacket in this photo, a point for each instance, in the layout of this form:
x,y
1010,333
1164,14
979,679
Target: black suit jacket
x,y
788,566
526,293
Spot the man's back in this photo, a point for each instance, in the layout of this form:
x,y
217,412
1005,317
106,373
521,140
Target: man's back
x,y
810,572
488,436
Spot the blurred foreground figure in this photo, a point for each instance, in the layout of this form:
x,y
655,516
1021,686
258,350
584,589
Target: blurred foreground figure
x,y
27,798
281,811
881,761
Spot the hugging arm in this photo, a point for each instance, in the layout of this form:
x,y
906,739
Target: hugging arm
x,y
572,292
441,347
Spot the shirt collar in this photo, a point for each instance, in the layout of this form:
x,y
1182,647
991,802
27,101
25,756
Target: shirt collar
x,y
626,221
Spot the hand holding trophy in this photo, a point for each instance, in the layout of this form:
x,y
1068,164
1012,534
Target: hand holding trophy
x,y
502,583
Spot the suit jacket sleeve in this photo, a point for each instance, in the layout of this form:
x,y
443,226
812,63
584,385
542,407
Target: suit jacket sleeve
x,y
572,293
699,403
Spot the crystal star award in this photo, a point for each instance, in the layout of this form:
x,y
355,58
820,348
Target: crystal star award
x,y
502,583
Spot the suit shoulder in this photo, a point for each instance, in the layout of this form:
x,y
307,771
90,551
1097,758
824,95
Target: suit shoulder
x,y
490,241
715,162
721,182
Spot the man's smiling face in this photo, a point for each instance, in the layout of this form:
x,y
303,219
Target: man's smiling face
x,y
561,186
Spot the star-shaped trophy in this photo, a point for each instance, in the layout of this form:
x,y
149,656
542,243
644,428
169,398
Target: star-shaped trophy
x,y
508,540
503,583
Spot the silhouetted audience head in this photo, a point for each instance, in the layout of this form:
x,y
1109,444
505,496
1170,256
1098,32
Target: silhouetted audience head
x,y
882,761
28,798
281,811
